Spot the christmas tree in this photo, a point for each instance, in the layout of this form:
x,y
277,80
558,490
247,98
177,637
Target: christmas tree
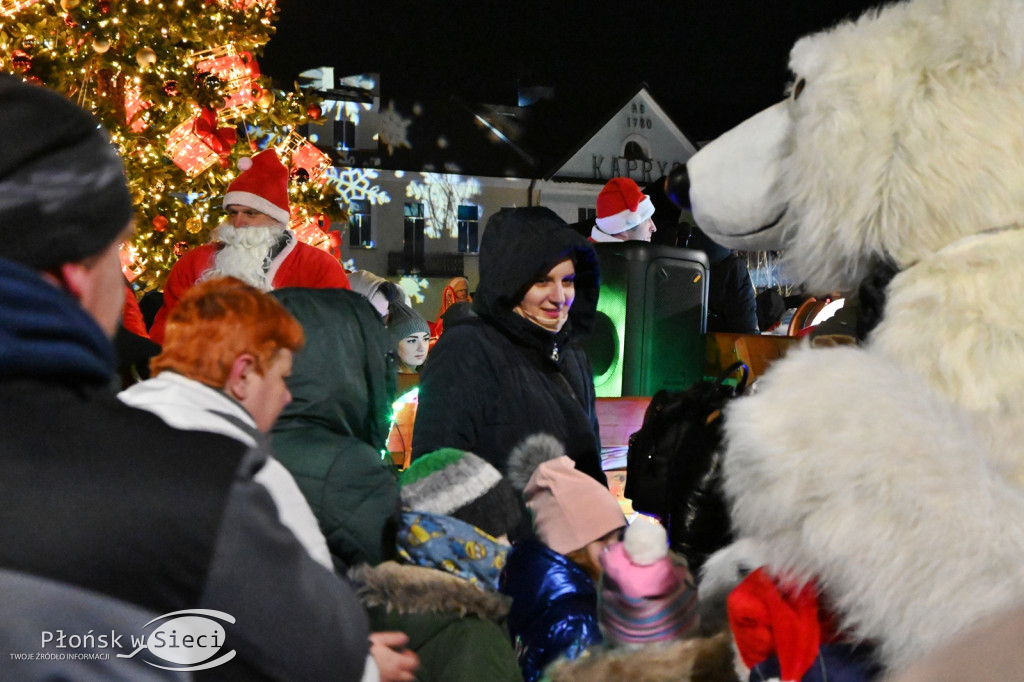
x,y
177,84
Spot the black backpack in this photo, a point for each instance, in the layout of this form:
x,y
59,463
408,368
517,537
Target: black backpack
x,y
673,466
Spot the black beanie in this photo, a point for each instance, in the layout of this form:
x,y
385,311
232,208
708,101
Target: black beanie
x,y
63,194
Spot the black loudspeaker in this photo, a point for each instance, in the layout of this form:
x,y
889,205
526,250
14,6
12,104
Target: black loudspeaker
x,y
651,321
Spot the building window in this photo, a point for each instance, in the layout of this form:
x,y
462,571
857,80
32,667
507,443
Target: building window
x,y
359,233
414,227
344,135
469,226
585,214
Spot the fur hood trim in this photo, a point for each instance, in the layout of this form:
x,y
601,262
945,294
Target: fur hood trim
x,y
415,589
709,659
852,471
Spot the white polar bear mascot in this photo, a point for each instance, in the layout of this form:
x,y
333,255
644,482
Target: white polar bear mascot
x,y
892,474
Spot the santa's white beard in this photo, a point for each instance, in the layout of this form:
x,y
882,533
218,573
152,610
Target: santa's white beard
x,y
244,253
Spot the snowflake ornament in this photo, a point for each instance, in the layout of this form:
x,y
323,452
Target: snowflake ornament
x,y
354,184
393,129
414,286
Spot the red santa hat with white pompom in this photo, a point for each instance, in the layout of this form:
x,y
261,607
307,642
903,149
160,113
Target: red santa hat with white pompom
x,y
621,206
262,185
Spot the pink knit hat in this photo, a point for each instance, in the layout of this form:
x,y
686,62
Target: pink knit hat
x,y
570,509
646,593
621,206
262,185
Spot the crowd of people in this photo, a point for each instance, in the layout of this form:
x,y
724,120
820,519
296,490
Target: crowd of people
x,y
244,471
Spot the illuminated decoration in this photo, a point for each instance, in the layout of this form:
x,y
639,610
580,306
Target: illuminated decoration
x,y
442,195
245,5
133,104
316,231
344,111
303,156
237,73
393,129
8,8
413,286
131,266
189,145
134,66
353,184
403,415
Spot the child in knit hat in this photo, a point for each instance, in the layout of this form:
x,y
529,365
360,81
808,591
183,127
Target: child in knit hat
x,y
552,580
442,589
647,594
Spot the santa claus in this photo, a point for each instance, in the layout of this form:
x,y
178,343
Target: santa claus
x,y
253,243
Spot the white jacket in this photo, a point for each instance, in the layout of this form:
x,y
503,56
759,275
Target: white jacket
x,y
192,406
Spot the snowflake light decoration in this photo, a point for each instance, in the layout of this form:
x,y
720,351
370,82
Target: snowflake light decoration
x,y
344,111
414,287
442,195
393,129
354,184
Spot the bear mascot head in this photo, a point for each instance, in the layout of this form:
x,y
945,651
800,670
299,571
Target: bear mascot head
x,y
891,474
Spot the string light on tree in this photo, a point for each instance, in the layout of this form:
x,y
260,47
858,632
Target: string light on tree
x,y
181,119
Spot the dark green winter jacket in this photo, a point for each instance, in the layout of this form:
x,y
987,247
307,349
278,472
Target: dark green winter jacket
x,y
332,435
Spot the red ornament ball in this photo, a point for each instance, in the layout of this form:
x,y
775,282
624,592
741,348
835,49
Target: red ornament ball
x,y
20,60
160,223
314,111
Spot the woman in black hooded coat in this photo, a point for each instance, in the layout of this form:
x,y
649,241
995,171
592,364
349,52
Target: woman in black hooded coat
x,y
496,378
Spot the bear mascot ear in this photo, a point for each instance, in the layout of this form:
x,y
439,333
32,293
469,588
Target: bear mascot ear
x,y
900,136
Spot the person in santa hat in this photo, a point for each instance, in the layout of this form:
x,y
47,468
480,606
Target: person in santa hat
x,y
254,243
623,213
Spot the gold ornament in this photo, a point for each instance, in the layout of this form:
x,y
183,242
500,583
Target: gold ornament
x,y
100,45
193,225
266,100
67,5
146,57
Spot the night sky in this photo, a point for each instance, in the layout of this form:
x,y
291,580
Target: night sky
x,y
710,63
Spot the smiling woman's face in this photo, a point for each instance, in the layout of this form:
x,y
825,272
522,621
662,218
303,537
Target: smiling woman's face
x,y
547,302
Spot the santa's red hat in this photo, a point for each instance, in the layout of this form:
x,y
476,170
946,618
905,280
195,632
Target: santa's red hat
x,y
622,206
262,185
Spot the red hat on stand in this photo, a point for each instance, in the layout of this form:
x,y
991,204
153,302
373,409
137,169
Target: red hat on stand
x,y
262,185
621,206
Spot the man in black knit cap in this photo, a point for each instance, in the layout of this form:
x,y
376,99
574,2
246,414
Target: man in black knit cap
x,y
128,549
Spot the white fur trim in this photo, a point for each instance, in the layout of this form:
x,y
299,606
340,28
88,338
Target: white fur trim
x,y
625,220
255,201
598,236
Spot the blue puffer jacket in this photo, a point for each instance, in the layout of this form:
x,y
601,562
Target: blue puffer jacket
x,y
554,607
